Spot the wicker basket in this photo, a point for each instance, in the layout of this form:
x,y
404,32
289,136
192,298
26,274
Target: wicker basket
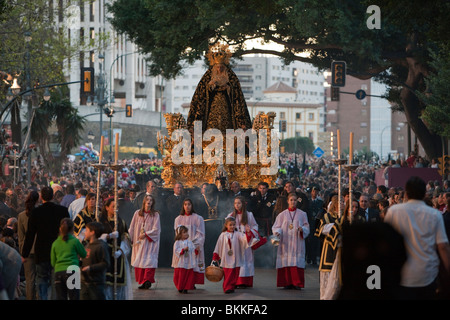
x,y
213,273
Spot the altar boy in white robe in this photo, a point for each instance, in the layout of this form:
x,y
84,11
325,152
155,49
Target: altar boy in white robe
x,y
229,250
292,227
145,229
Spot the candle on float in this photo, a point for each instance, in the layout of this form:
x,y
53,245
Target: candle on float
x,y
351,148
102,140
339,143
117,148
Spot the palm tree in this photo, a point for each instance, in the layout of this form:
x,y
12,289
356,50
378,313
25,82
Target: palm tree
x,y
58,115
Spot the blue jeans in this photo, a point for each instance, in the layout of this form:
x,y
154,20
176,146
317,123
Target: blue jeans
x,y
43,279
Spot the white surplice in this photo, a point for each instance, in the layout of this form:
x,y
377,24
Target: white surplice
x,y
145,252
188,259
248,263
234,241
196,231
291,250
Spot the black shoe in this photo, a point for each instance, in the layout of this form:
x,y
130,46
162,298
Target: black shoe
x,y
289,287
185,291
229,291
145,285
297,288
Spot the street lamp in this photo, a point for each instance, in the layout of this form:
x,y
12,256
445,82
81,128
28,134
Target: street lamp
x,y
15,88
140,144
46,95
381,141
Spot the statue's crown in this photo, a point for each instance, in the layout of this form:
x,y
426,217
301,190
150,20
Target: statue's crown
x,y
219,53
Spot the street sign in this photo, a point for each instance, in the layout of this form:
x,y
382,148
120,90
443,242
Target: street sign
x,y
318,152
360,94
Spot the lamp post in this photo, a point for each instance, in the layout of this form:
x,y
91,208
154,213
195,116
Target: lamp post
x,y
91,136
28,39
140,144
381,141
99,97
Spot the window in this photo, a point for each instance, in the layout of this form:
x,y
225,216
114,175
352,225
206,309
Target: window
x,y
311,116
282,115
311,135
363,124
298,116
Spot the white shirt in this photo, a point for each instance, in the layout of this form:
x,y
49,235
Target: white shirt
x,y
422,228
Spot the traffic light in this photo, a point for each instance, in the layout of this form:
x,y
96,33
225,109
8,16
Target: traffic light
x,y
444,166
335,94
338,70
128,110
109,111
283,125
87,78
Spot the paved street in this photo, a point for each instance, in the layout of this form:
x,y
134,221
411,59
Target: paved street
x,y
264,288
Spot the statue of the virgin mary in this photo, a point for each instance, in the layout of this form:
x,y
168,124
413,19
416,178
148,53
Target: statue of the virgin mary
x,y
218,100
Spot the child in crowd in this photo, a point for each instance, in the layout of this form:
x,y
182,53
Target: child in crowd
x,y
94,266
184,260
292,227
230,248
65,253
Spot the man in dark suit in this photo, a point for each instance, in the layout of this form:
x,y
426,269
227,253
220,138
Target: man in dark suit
x,y
261,205
43,229
235,191
125,207
170,210
314,211
151,189
367,214
4,209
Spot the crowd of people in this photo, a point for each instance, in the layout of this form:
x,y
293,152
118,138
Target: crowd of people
x,y
187,229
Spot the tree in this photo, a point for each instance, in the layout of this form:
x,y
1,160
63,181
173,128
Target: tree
x,y
437,96
44,58
57,115
176,33
299,145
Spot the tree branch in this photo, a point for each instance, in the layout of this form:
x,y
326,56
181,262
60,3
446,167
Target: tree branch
x,y
273,52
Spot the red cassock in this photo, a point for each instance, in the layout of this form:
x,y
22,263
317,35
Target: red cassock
x,y
184,279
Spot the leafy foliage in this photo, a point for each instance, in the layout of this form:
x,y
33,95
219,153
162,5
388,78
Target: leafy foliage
x,y
298,145
176,33
437,95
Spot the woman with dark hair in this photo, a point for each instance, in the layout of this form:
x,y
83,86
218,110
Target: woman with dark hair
x,y
85,216
196,229
29,265
145,230
107,219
